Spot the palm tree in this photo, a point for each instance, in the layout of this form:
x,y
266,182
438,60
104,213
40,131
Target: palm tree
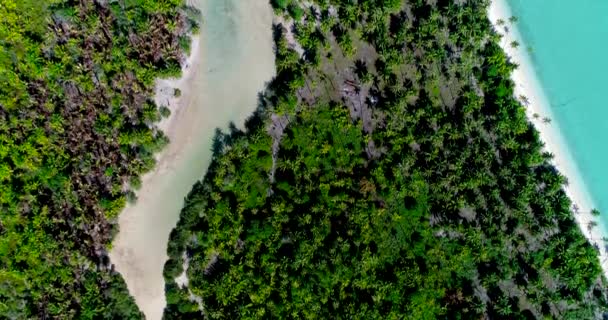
x,y
524,100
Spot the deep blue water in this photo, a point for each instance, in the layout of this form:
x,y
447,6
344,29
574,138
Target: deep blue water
x,y
569,42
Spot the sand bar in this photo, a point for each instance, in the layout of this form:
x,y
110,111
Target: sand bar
x,y
230,62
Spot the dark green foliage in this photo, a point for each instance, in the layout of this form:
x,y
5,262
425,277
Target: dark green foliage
x,y
281,4
164,112
76,123
393,176
295,11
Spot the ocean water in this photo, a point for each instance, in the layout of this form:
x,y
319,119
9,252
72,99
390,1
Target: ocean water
x,y
567,43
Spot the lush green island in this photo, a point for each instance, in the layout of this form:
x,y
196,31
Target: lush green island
x,y
389,173
76,131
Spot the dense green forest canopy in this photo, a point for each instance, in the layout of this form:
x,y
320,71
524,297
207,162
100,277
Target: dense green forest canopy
x,y
389,173
76,130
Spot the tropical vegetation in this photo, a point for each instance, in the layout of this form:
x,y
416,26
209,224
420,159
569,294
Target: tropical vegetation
x,y
388,173
77,128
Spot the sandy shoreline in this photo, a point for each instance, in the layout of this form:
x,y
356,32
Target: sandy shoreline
x,y
122,254
165,88
527,84
230,61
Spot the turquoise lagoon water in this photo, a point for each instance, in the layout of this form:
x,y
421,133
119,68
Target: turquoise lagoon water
x,y
569,51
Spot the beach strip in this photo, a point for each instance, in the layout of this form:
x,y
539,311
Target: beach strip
x,y
538,110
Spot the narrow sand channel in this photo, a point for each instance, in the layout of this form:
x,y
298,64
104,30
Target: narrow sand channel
x,y
231,61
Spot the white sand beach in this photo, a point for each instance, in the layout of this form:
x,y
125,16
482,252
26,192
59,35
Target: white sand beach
x,y
528,85
230,62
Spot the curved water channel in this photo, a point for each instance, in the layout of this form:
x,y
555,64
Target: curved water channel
x,y
231,60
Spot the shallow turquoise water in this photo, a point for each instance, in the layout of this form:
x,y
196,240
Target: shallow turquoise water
x,y
568,40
